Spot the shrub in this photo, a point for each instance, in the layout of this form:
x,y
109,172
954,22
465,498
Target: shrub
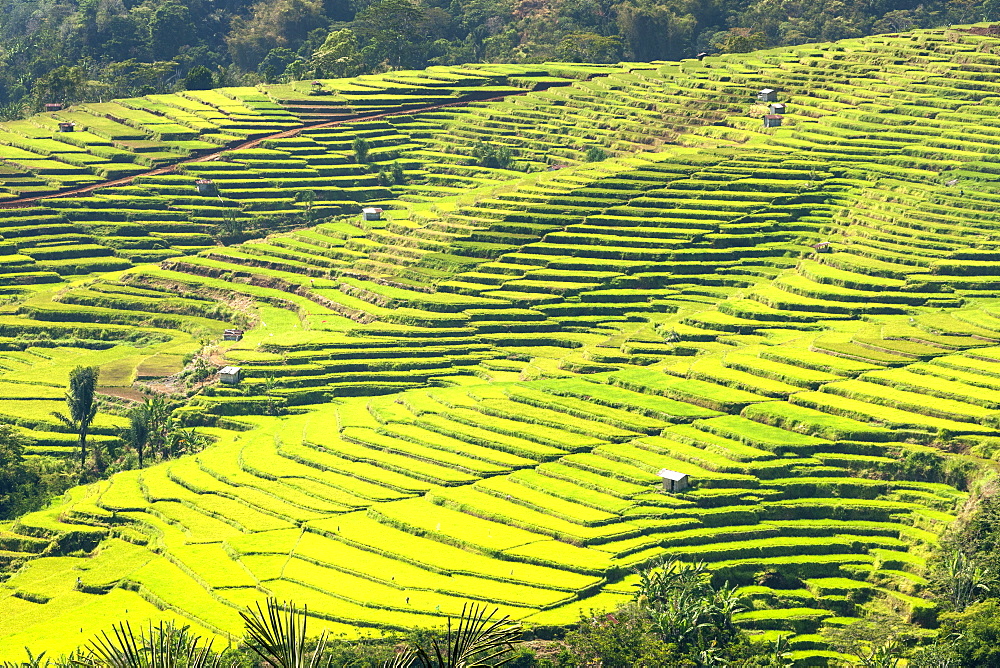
x,y
491,156
361,148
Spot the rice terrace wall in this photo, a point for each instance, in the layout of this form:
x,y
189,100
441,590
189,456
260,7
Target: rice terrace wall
x,y
583,275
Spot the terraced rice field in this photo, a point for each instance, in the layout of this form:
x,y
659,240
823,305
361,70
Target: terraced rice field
x,y
480,388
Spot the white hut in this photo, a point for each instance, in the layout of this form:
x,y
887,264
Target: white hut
x,y
673,481
230,374
767,95
371,213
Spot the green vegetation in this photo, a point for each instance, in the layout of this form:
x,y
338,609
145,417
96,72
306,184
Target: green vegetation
x,y
75,54
80,400
471,394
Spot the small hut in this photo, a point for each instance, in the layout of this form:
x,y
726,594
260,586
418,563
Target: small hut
x,y
702,55
777,108
673,481
371,213
772,121
53,106
823,247
232,335
767,95
231,375
67,127
205,186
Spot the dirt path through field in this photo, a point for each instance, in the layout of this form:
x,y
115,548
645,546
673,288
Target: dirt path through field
x,y
253,143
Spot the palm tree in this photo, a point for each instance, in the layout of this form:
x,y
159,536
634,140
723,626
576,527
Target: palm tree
x,y
165,646
477,641
81,404
157,421
136,435
279,637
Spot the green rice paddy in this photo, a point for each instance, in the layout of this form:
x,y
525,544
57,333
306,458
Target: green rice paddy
x,y
477,391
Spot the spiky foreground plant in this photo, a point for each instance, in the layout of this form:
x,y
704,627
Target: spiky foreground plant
x,y
477,641
165,646
278,636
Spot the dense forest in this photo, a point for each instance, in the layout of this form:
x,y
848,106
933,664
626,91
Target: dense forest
x,y
72,50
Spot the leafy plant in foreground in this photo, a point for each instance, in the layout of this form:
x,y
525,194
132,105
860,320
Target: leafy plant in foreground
x,y
164,646
684,606
278,636
478,640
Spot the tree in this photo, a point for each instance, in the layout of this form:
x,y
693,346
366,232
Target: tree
x,y
275,63
232,229
339,55
387,28
654,31
157,414
80,399
975,633
677,618
181,440
361,148
398,177
18,483
136,435
741,40
272,24
595,154
198,78
492,156
62,84
170,28
685,608
588,47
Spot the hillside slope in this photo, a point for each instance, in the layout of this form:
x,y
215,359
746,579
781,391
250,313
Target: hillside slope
x,y
481,387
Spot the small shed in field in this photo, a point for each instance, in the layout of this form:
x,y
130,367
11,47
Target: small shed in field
x,y
230,375
823,247
767,95
371,213
205,186
772,121
53,106
701,56
232,335
67,127
777,108
673,481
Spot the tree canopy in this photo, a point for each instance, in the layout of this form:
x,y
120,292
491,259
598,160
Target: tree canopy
x,y
77,50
